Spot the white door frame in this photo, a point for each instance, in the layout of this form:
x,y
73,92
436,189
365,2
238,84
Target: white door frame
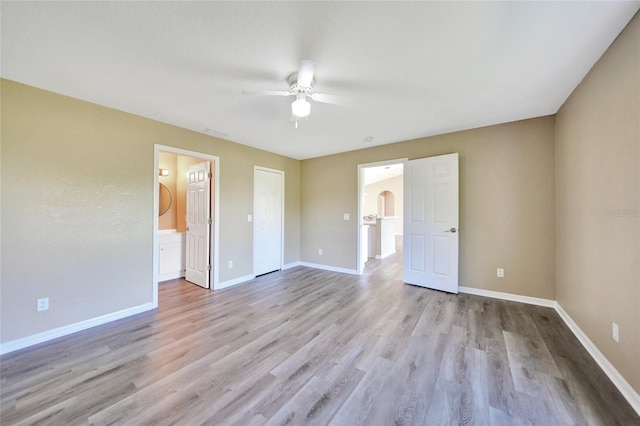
x,y
215,199
280,172
360,220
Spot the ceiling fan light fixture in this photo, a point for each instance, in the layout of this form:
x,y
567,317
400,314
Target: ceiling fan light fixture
x,y
300,107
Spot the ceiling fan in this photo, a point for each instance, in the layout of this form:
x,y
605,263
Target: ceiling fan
x,y
301,86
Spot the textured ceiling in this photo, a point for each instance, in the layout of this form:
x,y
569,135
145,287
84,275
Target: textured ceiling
x,y
410,69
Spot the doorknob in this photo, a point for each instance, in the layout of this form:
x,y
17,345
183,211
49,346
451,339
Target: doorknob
x,y
452,230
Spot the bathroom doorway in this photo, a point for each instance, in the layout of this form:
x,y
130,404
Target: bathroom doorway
x,y
170,229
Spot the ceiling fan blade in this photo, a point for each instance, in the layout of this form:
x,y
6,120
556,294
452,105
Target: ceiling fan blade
x,y
266,93
331,99
305,73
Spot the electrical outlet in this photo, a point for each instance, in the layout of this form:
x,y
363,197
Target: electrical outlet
x,y
42,304
500,273
230,264
615,332
320,252
346,216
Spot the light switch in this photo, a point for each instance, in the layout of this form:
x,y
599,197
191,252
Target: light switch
x,y
347,216
249,218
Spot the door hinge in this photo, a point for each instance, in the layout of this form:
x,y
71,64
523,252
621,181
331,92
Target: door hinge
x,y
208,267
210,175
209,221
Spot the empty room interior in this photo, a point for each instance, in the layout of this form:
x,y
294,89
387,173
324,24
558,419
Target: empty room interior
x,y
320,213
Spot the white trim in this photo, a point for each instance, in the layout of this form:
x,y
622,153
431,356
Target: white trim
x,y
155,256
359,222
623,386
385,255
290,265
171,275
234,281
330,268
267,169
34,339
508,296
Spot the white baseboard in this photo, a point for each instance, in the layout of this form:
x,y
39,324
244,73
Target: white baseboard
x,y
234,281
329,268
508,296
291,265
171,275
249,277
623,386
378,256
25,342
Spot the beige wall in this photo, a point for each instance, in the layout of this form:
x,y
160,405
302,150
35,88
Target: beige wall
x,y
598,203
394,185
507,204
168,161
77,207
77,194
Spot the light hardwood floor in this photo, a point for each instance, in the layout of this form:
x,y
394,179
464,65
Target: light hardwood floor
x,y
305,346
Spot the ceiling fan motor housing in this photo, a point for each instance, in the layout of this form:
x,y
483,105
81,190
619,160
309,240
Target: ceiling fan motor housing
x,y
295,88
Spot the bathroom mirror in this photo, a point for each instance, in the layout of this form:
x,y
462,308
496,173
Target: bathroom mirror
x,y
165,199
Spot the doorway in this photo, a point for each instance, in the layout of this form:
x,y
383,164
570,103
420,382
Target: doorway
x,y
380,218
190,157
430,230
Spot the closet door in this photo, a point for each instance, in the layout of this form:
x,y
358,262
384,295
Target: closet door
x,y
268,201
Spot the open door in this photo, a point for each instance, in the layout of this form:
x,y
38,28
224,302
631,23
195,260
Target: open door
x,y
430,242
198,223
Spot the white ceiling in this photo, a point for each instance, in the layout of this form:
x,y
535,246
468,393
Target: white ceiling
x,y
412,69
380,173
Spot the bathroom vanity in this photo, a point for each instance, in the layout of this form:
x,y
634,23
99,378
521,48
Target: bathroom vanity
x,y
171,254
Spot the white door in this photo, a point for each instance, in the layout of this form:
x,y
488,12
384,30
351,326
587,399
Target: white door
x,y
268,220
430,243
198,223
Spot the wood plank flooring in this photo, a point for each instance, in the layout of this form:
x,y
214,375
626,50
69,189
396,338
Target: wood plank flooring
x,y
305,346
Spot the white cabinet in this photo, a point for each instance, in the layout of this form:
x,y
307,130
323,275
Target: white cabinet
x,y
364,244
386,236
382,237
372,243
171,259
